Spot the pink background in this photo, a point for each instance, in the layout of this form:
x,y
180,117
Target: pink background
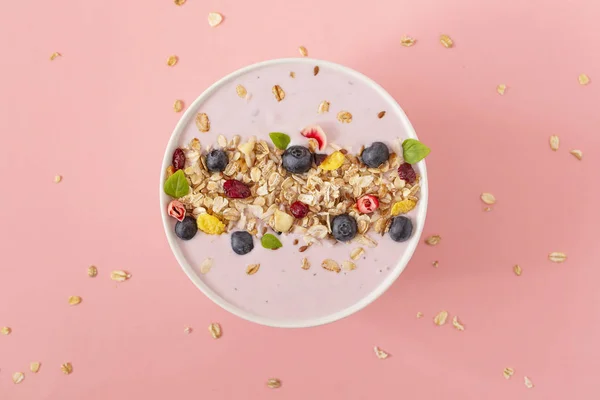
x,y
101,116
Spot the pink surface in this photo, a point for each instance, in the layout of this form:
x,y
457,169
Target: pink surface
x,y
101,116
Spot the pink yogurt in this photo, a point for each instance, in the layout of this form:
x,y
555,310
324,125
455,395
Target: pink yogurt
x,y
281,293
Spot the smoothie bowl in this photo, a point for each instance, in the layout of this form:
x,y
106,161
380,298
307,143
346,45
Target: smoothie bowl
x,y
293,192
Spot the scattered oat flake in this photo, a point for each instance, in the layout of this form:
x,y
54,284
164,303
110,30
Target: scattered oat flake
x,y
305,264
92,271
554,142
348,266
419,314
528,382
55,55
508,372
356,253
344,117
487,209
274,383
172,60
517,270
5,330
179,2
488,198
178,106
316,70
278,93
501,88
331,265
241,91
435,263
381,114
440,318
206,265
323,107
407,41
557,257
18,377
187,330
34,366
303,51
120,276
456,323
578,154
66,368
252,269
446,41
292,74
57,179
74,300
433,240
215,330
202,122
584,79
382,355
214,19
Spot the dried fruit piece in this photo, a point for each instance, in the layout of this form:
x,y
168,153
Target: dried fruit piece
x,y
316,70
554,142
92,271
57,178
120,276
274,383
66,368
34,366
202,122
178,106
18,377
403,207
557,257
299,209
356,253
5,330
517,270
252,269
178,160
488,198
407,41
278,92
528,383
241,91
344,117
381,114
271,242
172,60
206,265
440,318
578,154
235,189
315,132
348,266
282,221
55,55
303,51
333,161
501,88
382,355
583,79
367,203
433,240
215,330
407,173
210,224
170,171
305,264
456,323
176,210
331,265
214,19
323,107
508,372
446,41
74,300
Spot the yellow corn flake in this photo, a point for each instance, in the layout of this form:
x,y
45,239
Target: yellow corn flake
x,y
333,161
404,206
170,170
172,60
210,224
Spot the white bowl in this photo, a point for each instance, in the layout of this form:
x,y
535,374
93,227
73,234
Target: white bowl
x,y
392,108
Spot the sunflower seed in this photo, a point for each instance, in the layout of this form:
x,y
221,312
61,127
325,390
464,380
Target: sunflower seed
x,y
557,257
381,114
433,240
440,318
488,198
554,142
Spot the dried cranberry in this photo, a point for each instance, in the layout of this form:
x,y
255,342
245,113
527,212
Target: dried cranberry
x,y
236,189
178,159
367,203
407,173
299,209
319,158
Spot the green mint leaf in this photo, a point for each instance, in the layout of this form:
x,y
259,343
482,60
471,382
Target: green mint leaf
x,y
177,186
280,140
269,241
414,151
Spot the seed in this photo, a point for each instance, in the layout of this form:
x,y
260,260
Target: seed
x,y
214,19
34,366
528,383
302,249
488,198
508,372
66,368
74,300
419,314
57,179
178,106
55,55
252,269
517,270
316,70
435,263
557,257
215,330
382,355
356,253
554,142
92,271
120,276
344,117
578,154
331,265
407,41
241,91
446,41
584,79
295,242
305,264
381,114
206,265
202,122
348,266
179,2
456,323
501,88
18,377
278,92
172,60
303,51
5,330
323,107
440,318
274,383
433,240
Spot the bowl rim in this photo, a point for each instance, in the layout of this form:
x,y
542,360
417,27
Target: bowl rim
x,y
292,323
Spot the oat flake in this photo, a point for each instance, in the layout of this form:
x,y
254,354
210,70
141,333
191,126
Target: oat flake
x,y
488,198
278,93
331,265
178,106
292,74
407,41
528,383
215,330
508,372
344,117
501,88
356,253
214,19
172,60
206,265
446,41
119,276
435,264
348,266
381,114
241,91
303,51
5,330
456,323
305,264
57,179
34,366
187,330
323,107
18,377
202,122
66,368
578,154
74,300
274,383
517,270
382,355
433,240
252,269
419,314
92,271
557,257
55,55
440,318
583,79
554,142
179,2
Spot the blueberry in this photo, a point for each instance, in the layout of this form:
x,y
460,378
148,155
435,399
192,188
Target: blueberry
x,y
241,242
297,159
186,229
401,229
375,155
216,160
343,227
